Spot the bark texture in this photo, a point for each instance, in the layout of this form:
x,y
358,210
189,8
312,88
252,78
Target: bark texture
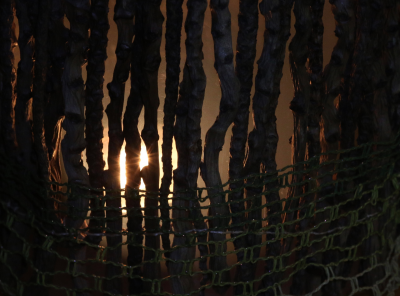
x,y
245,56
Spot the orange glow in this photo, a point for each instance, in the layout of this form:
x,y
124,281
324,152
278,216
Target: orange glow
x,y
122,160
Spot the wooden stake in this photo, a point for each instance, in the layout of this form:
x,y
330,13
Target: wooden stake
x,y
245,56
97,55
123,17
215,137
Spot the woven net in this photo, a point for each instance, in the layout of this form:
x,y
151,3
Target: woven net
x,y
334,229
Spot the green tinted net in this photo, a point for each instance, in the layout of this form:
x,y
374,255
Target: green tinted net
x,y
309,229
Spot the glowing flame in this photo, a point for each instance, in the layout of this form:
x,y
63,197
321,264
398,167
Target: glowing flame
x,y
122,170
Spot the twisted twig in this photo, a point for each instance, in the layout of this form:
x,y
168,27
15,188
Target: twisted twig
x,y
123,17
97,55
245,56
188,116
221,32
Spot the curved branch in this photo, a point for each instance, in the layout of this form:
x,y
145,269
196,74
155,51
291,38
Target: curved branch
x,y
215,137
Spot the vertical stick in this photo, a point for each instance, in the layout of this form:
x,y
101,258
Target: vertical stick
x,y
187,132
263,138
54,101
54,105
74,141
395,84
151,59
123,17
245,56
279,28
44,260
133,149
39,83
215,137
23,107
8,239
173,59
315,65
193,87
7,75
300,106
376,111
97,55
330,125
355,84
334,71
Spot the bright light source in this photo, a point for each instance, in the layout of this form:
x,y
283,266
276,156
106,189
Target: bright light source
x,y
144,160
